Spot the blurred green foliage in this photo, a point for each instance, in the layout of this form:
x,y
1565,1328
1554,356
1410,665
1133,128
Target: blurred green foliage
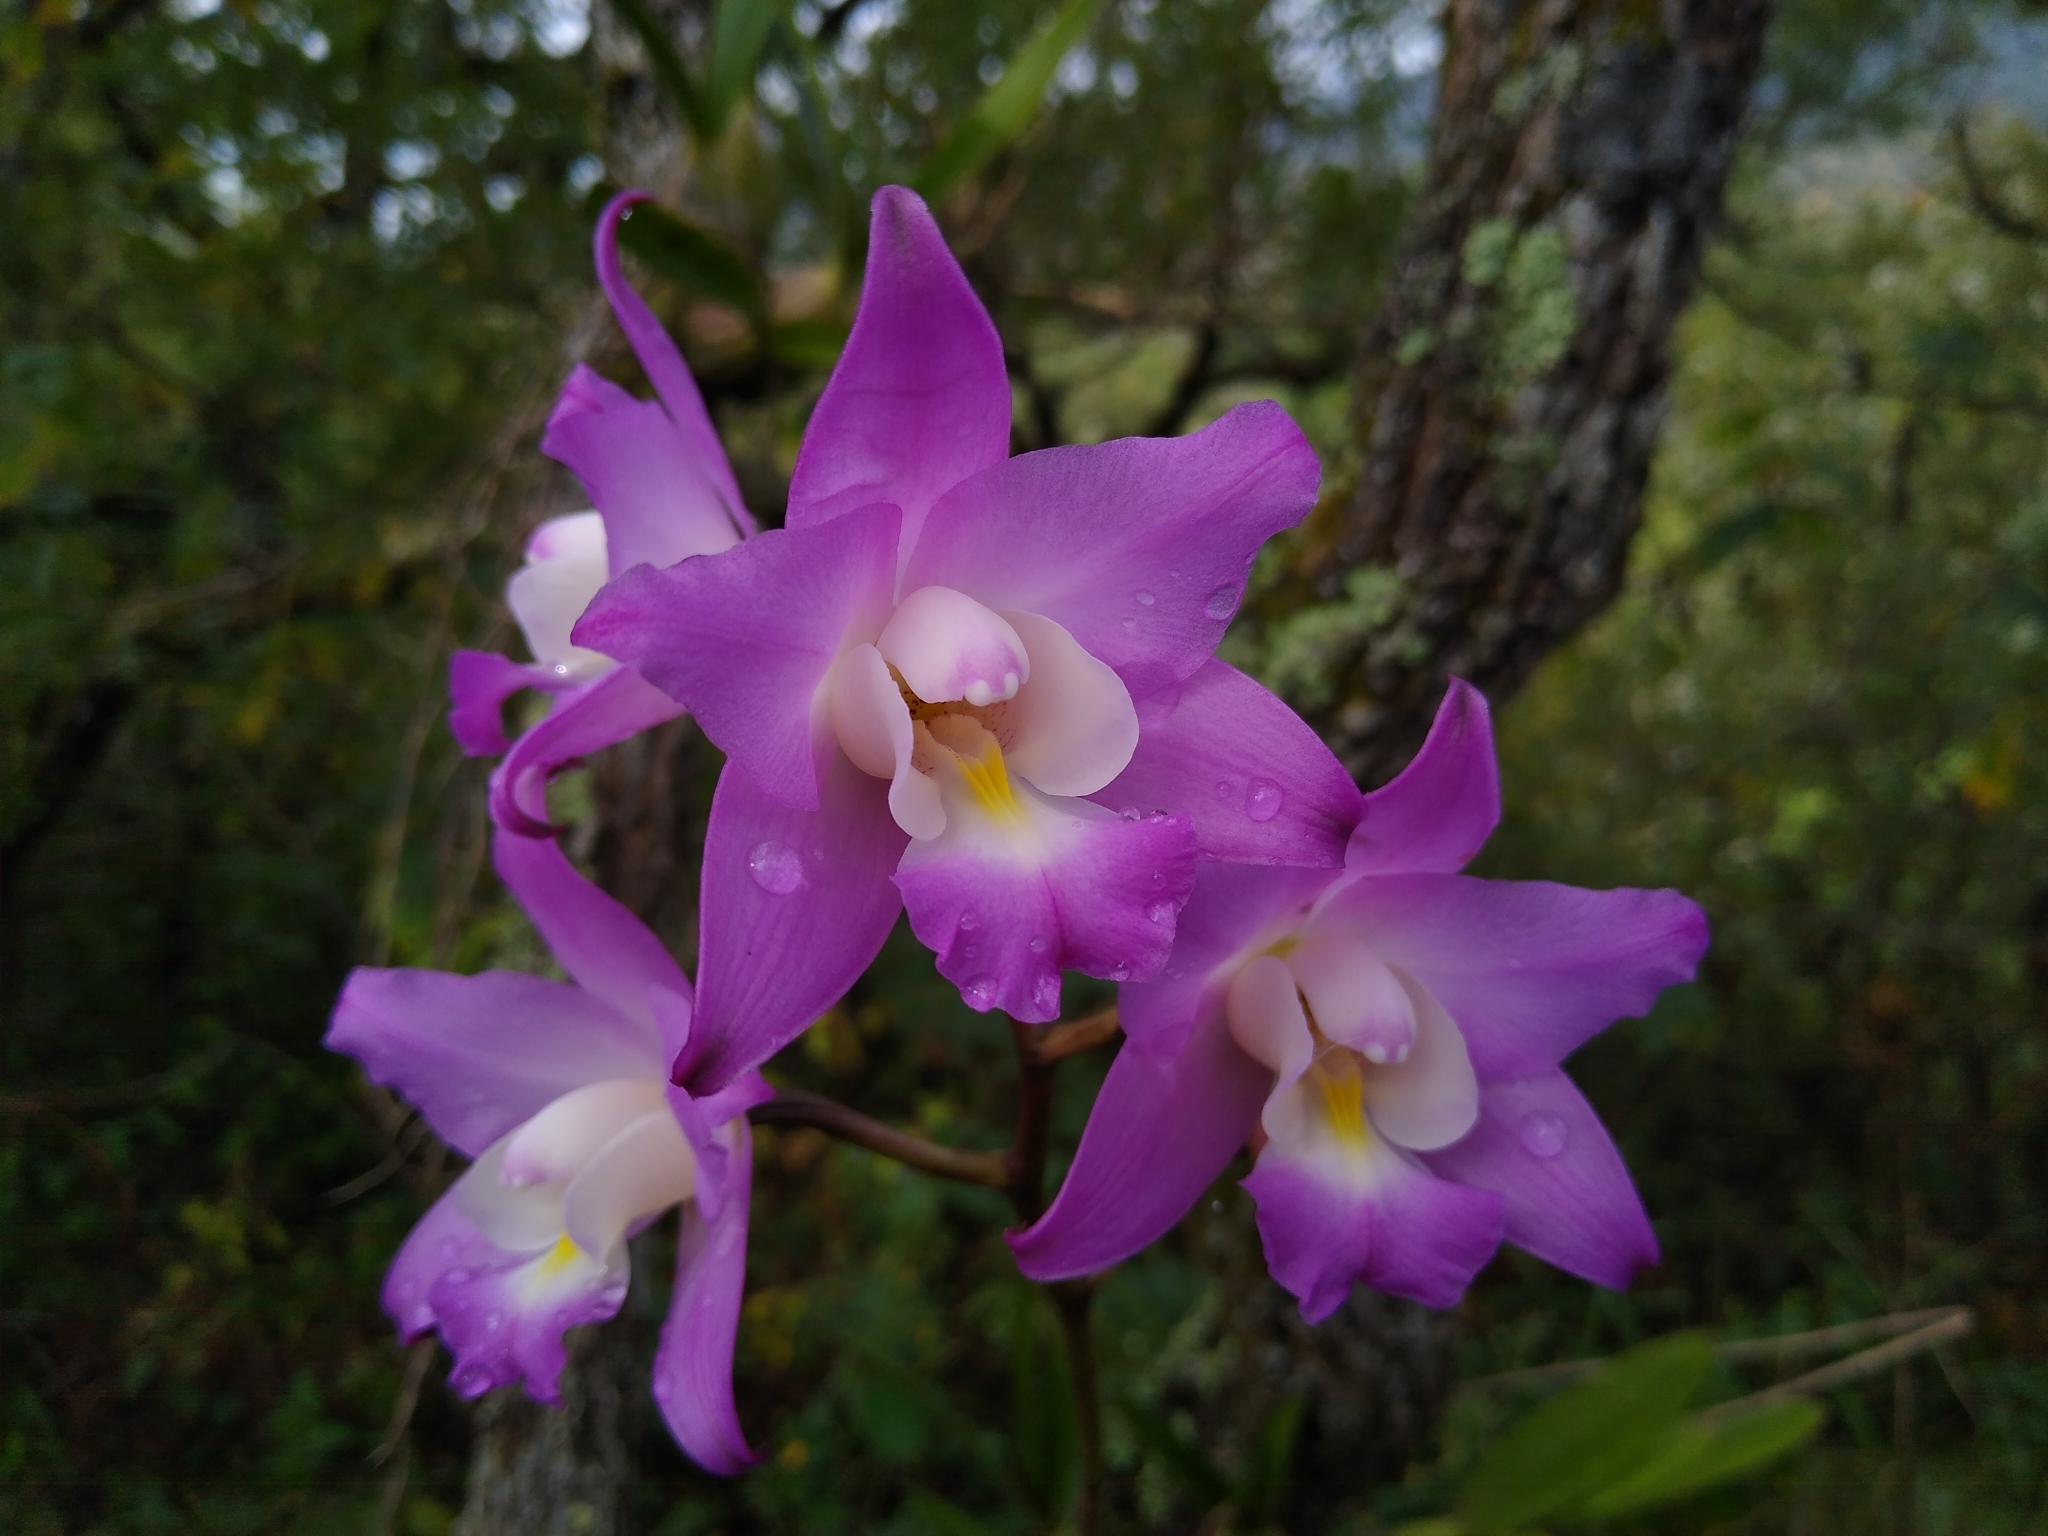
x,y
282,287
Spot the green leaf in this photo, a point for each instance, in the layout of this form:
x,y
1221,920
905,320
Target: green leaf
x,y
1007,106
807,343
1587,1437
1186,1463
1698,1452
1042,1407
670,73
1271,1463
687,256
738,34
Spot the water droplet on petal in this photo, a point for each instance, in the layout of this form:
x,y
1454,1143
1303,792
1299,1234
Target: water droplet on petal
x,y
1046,995
493,1322
1130,813
1262,799
1120,972
1146,599
561,669
1222,603
1160,911
1038,946
776,869
969,922
979,992
1223,789
1543,1134
1130,624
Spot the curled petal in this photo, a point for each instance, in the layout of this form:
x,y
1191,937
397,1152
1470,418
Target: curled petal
x,y
693,1367
1259,785
444,1239
873,726
1398,1229
617,706
920,398
1139,548
565,565
706,1126
559,1142
1529,970
1071,728
1438,811
663,364
479,1055
744,639
794,906
1429,1098
947,647
659,503
641,1171
1159,1135
506,1322
1569,1199
479,683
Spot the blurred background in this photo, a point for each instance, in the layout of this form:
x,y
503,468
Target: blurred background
x,y
286,290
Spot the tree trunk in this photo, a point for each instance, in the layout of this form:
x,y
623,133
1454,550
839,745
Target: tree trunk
x,y
1510,393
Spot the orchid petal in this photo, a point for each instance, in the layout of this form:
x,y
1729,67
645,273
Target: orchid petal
x,y
506,1322
520,1219
479,1055
1232,910
617,706
704,1122
660,504
1159,1135
479,683
1139,548
557,1143
1529,970
920,398
605,949
645,1168
1438,811
1266,1020
1397,1229
947,647
794,906
1071,728
1258,783
444,1239
744,639
1569,1199
1430,1098
548,594
873,726
693,1367
663,364
1356,1000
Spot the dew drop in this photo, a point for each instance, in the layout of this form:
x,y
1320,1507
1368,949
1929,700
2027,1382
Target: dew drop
x,y
1146,599
1038,946
1130,624
1543,1134
1262,799
776,869
1160,911
1120,973
1047,993
980,992
969,922
1222,603
1223,789
493,1322
561,669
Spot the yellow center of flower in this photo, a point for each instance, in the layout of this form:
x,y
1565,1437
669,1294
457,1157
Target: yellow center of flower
x,y
558,1258
1336,1074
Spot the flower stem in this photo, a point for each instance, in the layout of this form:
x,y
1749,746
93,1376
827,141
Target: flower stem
x,y
793,1106
1074,1299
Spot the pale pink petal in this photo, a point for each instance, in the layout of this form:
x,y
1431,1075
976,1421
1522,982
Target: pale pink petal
x,y
693,1367
947,647
616,707
920,398
1529,970
1264,1013
1071,728
1259,785
522,1219
556,1144
1430,1098
548,594
1569,1199
1357,1001
1159,1135
1139,548
644,1168
1438,811
873,726
744,639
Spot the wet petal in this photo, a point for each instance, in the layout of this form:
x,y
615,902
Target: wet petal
x,y
506,1323
1071,728
948,647
1438,811
1431,1098
444,1239
1356,1000
693,1367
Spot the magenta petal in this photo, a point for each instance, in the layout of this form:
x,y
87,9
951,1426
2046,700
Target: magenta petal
x,y
693,1367
442,1240
1159,1134
703,1122
1570,1201
602,713
744,638
659,504
1138,547
1402,1231
1530,970
664,365
605,949
920,399
502,1324
479,1055
1438,811
1231,906
1259,785
1098,895
794,906
479,683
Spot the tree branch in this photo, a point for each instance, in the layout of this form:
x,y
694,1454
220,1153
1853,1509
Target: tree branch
x,y
1986,202
793,1106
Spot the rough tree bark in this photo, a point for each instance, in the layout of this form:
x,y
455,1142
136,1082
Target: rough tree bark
x,y
1510,396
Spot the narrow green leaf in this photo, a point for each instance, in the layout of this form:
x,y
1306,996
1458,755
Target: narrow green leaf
x,y
1271,1463
1042,1406
670,73
688,256
1697,1453
1007,106
739,32
1586,1437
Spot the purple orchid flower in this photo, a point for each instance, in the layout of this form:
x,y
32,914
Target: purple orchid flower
x,y
662,491
970,686
1394,1031
560,1094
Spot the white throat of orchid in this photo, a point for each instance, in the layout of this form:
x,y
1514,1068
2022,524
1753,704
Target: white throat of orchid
x,y
566,563
975,716
1361,1052
571,1184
